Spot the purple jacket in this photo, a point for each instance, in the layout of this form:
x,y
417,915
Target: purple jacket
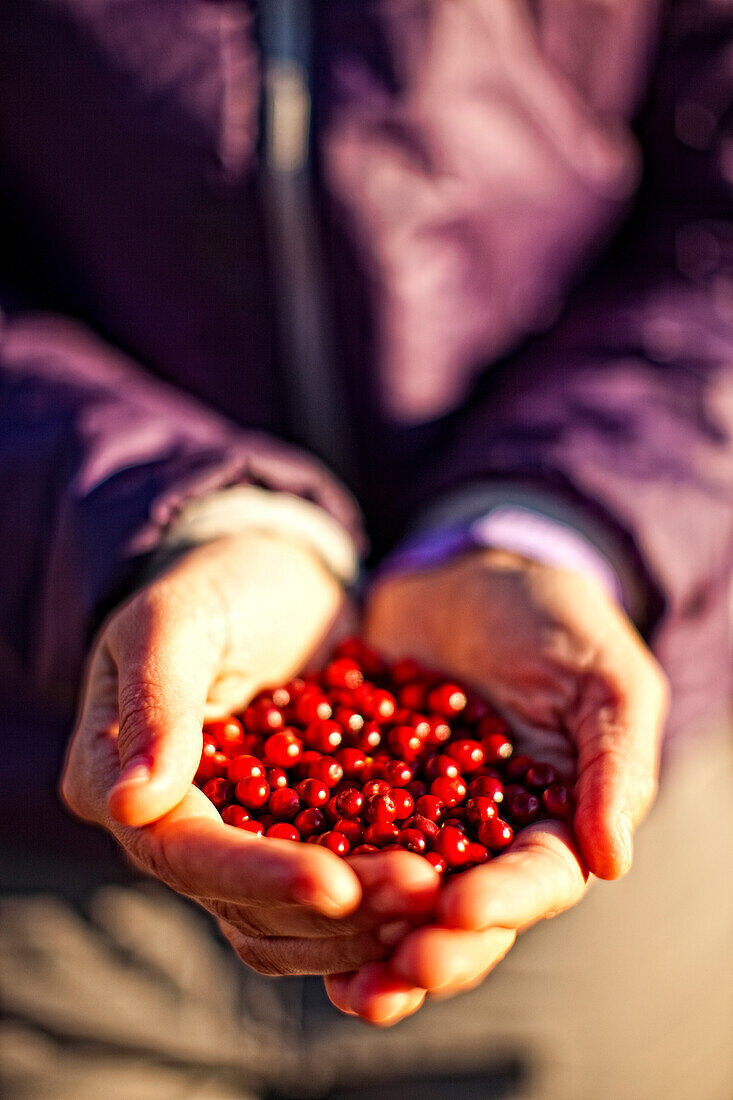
x,y
514,222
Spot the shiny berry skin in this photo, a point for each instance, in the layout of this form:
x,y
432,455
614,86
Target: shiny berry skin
x,y
447,699
328,770
477,854
431,807
468,755
437,861
404,742
413,840
282,831
497,747
380,808
310,821
263,717
351,829
416,788
253,826
438,730
286,695
451,790
349,720
235,815
368,738
245,767
404,804
424,824
486,786
510,790
456,823
540,776
374,787
495,834
218,791
307,757
313,792
436,766
492,724
284,804
353,761
363,654
284,748
253,792
335,842
325,735
452,845
397,773
558,801
343,672
480,809
525,808
350,802
228,734
364,849
214,765
381,833
312,706
276,778
378,704
517,768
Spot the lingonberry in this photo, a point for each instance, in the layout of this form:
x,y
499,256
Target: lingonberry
x,y
468,755
447,699
380,808
404,742
324,735
495,834
213,765
328,770
486,786
350,802
313,792
412,839
276,778
491,725
335,842
282,831
451,789
436,766
349,720
381,833
368,738
516,768
404,804
245,767
416,788
424,824
235,815
477,853
310,821
263,717
228,734
312,706
364,849
480,809
284,804
397,773
284,748
351,829
452,845
253,792
353,761
218,791
374,787
431,807
343,672
412,695
439,731
253,826
497,746
438,862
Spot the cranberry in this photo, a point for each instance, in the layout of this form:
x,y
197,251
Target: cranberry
x,y
276,778
263,717
456,823
349,802
476,709
284,804
286,695
487,786
416,788
368,738
493,724
510,790
497,747
438,862
228,734
213,766
325,735
558,801
307,757
424,824
452,845
349,720
380,808
253,827
245,767
310,821
495,834
328,770
404,742
343,672
436,766
351,829
413,840
431,807
412,696
252,792
517,767
312,706
375,703
397,773
353,761
480,809
404,804
468,755
335,842
447,699
282,831
381,833
439,730
374,787
451,790
367,657
540,776
477,853
218,791
525,808
312,792
235,815
364,849
284,748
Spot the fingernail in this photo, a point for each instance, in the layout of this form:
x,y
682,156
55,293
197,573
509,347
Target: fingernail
x,y
137,771
393,932
625,832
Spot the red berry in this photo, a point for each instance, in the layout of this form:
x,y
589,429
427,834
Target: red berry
x,y
252,792
525,808
480,809
451,790
312,792
497,747
558,801
517,768
213,765
343,672
282,831
312,706
364,849
374,787
424,824
283,748
351,829
477,854
307,757
412,696
368,738
328,770
416,788
245,767
377,703
487,786
404,742
353,761
310,821
218,791
276,778
431,807
381,833
447,699
492,724
349,720
404,804
468,755
228,734
325,735
363,654
349,802
263,717
397,773
235,815
438,730
284,804
252,826
540,776
452,845
335,842
405,670
495,834
510,790
437,861
413,840
436,766
380,808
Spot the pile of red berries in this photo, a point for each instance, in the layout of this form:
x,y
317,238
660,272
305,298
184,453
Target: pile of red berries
x,y
368,756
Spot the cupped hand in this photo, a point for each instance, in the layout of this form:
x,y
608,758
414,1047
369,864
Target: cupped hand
x,y
562,661
195,644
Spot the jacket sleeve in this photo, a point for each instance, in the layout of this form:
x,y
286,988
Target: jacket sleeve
x,y
97,461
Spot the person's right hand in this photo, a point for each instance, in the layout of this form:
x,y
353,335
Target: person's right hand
x,y
197,643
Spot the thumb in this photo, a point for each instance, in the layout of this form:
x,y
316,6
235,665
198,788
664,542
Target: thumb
x,y
164,674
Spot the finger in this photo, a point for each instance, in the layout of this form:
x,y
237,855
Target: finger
x,y
280,956
618,731
538,877
376,994
337,991
165,669
194,852
438,959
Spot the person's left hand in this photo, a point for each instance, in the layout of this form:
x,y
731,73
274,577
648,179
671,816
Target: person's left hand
x,y
582,692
